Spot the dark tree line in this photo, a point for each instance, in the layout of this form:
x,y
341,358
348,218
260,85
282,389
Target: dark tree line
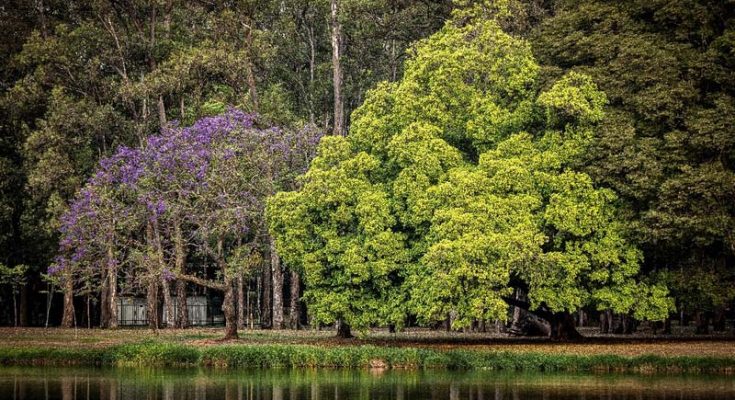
x,y
81,78
78,79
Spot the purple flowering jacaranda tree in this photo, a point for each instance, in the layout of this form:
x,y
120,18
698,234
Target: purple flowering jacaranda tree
x,y
193,193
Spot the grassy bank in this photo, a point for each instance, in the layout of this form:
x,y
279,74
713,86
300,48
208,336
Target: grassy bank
x,y
309,356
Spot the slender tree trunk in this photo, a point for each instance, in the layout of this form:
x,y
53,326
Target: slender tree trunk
x,y
515,324
606,321
277,274
67,321
249,66
49,298
112,298
249,307
40,9
23,311
161,111
336,34
168,305
295,310
105,300
312,68
157,278
15,310
182,320
89,311
240,300
258,303
152,302
266,305
667,326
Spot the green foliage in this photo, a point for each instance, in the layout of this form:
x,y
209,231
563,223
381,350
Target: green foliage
x,y
77,80
666,142
14,277
440,201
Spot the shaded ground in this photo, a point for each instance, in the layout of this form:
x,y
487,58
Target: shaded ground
x,y
714,346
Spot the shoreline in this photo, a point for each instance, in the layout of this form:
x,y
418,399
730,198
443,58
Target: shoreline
x,y
304,356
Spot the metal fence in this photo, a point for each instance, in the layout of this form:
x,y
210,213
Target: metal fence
x,y
132,311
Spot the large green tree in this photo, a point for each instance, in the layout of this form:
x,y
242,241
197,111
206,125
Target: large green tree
x,y
455,186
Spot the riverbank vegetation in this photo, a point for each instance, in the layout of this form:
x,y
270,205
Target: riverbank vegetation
x,y
277,356
448,165
378,350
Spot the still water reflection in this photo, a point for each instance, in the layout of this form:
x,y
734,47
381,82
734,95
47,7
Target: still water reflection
x,y
121,384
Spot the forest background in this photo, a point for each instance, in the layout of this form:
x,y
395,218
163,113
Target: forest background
x,y
79,79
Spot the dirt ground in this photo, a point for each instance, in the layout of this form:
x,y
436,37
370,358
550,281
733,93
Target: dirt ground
x,y
630,345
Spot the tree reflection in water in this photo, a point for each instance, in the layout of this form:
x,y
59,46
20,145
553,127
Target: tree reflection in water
x,y
152,384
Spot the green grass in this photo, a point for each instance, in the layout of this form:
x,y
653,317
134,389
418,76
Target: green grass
x,y
307,356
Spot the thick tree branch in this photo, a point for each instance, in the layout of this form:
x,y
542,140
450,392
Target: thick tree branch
x,y
201,282
541,313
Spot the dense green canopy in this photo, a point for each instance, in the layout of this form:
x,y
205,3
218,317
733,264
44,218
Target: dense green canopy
x,y
456,185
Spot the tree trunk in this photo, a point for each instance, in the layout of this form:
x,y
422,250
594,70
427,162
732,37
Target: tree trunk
x,y
277,275
109,304
343,330
249,66
562,327
112,296
23,309
89,311
312,68
228,308
67,321
561,324
266,305
15,310
228,305
152,302
182,320
606,321
515,324
168,305
667,326
161,111
295,310
336,34
105,301
240,300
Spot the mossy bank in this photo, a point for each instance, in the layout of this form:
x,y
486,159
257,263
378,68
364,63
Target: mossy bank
x,y
308,356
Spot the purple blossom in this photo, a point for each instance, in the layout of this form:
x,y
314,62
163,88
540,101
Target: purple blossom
x,y
167,275
211,177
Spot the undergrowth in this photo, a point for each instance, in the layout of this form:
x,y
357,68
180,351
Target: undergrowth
x,y
308,356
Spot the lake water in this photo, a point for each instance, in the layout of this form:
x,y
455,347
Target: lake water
x,y
195,384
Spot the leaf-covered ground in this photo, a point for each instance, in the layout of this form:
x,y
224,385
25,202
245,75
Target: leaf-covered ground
x,y
631,345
